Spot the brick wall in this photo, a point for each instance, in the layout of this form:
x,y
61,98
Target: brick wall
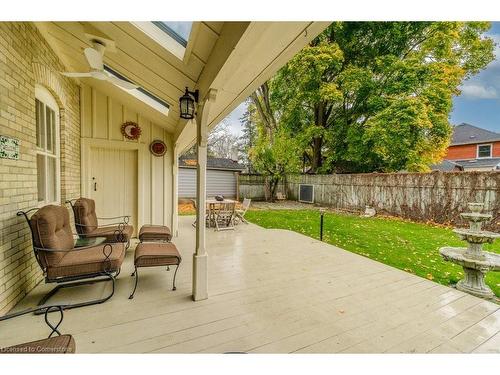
x,y
25,60
469,151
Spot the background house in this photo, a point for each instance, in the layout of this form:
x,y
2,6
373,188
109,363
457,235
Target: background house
x,y
471,148
222,177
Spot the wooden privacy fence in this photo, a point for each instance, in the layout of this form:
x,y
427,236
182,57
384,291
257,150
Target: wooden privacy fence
x,y
436,196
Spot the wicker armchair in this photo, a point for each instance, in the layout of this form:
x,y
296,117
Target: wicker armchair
x,y
64,259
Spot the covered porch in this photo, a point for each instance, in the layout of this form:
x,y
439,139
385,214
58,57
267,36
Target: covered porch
x,y
66,114
273,291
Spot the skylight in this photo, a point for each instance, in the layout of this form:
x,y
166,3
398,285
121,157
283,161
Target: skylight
x,y
173,36
140,93
178,30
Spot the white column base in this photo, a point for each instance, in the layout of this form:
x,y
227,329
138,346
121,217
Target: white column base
x,y
200,277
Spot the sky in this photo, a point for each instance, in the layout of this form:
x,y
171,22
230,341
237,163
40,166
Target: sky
x,y
478,104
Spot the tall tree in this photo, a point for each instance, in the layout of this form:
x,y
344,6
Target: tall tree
x,y
275,158
248,136
222,142
374,96
275,153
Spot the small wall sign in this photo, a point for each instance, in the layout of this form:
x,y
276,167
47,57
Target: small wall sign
x,y
9,148
158,148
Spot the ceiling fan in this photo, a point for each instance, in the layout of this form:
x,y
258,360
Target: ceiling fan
x,y
94,58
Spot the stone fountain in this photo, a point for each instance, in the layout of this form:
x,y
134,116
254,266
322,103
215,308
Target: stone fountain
x,y
475,262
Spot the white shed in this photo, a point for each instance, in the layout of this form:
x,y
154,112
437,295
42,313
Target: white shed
x,y
222,177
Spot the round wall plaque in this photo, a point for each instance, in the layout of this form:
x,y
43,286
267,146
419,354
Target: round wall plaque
x,y
158,148
131,130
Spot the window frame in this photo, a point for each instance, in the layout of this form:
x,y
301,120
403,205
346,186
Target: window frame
x,y
45,97
484,157
166,37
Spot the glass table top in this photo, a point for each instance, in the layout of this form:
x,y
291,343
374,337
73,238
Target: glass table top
x,y
89,241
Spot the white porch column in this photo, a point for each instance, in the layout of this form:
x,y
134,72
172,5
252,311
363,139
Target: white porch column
x,y
200,257
175,192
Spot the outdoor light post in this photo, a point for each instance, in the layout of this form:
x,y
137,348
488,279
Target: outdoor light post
x,y
322,213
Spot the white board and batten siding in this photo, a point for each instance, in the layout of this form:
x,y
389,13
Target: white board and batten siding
x,y
102,118
219,182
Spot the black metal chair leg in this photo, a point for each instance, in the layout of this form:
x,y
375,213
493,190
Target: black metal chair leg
x,y
175,274
135,286
107,277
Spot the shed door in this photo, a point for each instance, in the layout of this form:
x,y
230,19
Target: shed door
x,y
218,183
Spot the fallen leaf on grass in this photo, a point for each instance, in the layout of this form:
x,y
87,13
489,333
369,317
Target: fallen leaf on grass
x,y
429,276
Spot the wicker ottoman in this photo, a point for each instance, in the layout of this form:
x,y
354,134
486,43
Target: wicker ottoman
x,y
155,233
155,254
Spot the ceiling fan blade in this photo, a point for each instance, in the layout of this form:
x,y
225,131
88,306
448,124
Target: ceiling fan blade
x,y
76,75
122,83
94,58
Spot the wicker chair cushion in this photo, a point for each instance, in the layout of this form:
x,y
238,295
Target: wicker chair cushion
x,y
151,254
85,216
88,261
155,232
52,230
55,345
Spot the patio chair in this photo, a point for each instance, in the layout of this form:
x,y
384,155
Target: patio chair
x,y
59,344
239,214
206,215
68,260
224,216
87,223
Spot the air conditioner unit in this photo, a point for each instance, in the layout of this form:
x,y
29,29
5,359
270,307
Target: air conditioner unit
x,y
306,193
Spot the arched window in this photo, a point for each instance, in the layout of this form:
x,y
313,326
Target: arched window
x,y
47,147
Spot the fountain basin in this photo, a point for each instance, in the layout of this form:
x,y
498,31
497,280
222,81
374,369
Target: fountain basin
x,y
473,236
476,216
485,262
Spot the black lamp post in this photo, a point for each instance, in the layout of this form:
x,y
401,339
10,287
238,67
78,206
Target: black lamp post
x,y
187,104
322,213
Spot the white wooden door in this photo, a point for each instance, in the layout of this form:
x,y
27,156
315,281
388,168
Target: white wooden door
x,y
113,182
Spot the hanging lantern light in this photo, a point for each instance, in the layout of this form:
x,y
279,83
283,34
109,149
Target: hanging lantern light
x,y
187,104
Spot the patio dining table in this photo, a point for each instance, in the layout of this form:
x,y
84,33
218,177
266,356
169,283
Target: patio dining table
x,y
211,204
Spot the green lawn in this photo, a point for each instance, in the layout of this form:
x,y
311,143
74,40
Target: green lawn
x,y
409,246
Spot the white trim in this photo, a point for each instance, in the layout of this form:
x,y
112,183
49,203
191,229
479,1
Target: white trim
x,y
44,96
484,144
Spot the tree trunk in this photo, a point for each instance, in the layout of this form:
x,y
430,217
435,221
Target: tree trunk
x,y
274,185
263,104
320,118
316,161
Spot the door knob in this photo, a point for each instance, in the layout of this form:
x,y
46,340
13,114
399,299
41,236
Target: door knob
x,y
95,184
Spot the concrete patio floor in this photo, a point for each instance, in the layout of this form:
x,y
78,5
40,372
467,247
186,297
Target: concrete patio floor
x,y
271,291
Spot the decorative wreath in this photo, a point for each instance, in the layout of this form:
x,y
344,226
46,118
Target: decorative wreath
x,y
158,148
131,130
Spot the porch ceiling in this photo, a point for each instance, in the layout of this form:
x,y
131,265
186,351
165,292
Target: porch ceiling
x,y
232,57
